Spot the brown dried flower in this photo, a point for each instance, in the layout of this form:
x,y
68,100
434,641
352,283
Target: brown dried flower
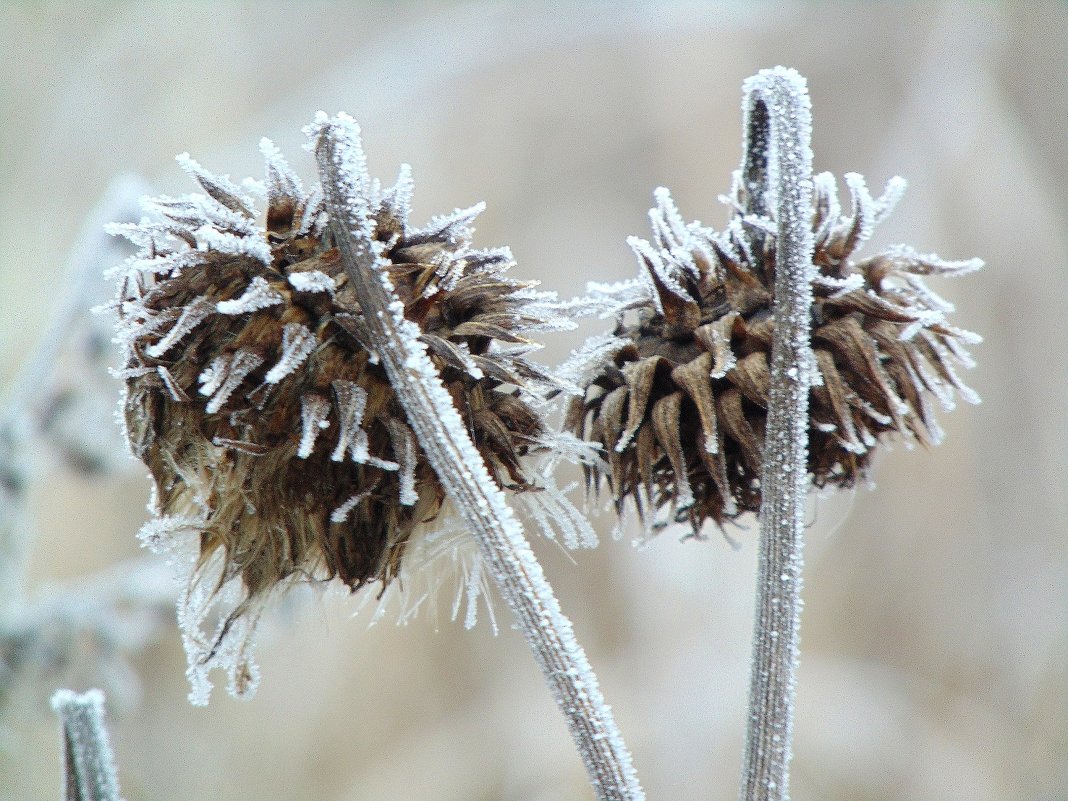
x,y
677,396
257,402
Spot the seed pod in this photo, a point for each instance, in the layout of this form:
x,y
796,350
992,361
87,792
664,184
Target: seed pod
x,y
255,397
677,397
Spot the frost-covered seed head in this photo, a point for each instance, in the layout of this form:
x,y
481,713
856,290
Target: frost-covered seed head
x,y
677,397
258,404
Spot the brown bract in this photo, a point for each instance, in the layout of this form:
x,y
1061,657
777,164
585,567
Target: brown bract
x,y
680,407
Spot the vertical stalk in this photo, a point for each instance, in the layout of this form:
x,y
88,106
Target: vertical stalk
x,y
450,451
777,172
89,764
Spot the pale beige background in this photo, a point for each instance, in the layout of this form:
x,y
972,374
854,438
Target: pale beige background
x,y
935,638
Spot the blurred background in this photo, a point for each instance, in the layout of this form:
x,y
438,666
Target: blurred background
x,y
935,635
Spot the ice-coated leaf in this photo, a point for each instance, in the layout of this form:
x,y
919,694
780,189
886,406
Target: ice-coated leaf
x,y
228,373
351,403
314,414
406,454
257,295
219,187
656,269
587,360
888,200
342,513
907,260
197,211
241,244
825,198
282,182
297,344
454,227
173,389
399,196
193,314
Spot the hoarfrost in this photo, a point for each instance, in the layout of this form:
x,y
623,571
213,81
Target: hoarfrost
x,y
314,411
173,389
282,182
297,344
341,513
311,281
405,452
192,315
587,360
351,403
227,374
258,295
219,187
241,244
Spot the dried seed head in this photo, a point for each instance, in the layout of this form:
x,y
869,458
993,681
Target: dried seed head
x,y
256,400
677,397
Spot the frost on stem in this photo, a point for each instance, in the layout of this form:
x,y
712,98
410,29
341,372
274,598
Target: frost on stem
x,y
279,448
434,417
89,764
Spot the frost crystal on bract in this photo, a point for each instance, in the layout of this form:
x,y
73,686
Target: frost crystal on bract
x,y
277,445
677,395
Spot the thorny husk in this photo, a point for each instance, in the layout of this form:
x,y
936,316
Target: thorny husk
x,y
678,399
260,408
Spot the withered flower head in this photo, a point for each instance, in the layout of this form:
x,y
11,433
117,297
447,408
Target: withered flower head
x,y
258,404
678,395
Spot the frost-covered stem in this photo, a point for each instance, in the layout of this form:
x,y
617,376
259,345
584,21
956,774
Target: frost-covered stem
x,y
450,451
777,173
89,764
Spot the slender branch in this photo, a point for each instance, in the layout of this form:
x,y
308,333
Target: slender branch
x,y
26,401
451,453
89,764
777,174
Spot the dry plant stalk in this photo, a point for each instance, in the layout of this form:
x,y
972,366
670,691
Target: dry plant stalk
x,y
89,764
777,172
437,423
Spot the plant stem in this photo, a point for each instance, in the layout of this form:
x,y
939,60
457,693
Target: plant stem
x,y
450,451
89,764
777,172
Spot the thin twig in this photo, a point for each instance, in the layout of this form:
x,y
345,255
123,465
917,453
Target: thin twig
x,y
777,174
89,764
455,459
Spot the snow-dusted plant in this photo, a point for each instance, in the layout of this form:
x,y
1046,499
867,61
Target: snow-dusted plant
x,y
678,396
750,364
315,394
319,389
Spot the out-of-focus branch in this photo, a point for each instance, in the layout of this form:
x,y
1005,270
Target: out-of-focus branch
x,y
52,397
85,629
61,402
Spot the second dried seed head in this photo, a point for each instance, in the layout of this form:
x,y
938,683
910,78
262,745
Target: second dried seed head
x,y
677,396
